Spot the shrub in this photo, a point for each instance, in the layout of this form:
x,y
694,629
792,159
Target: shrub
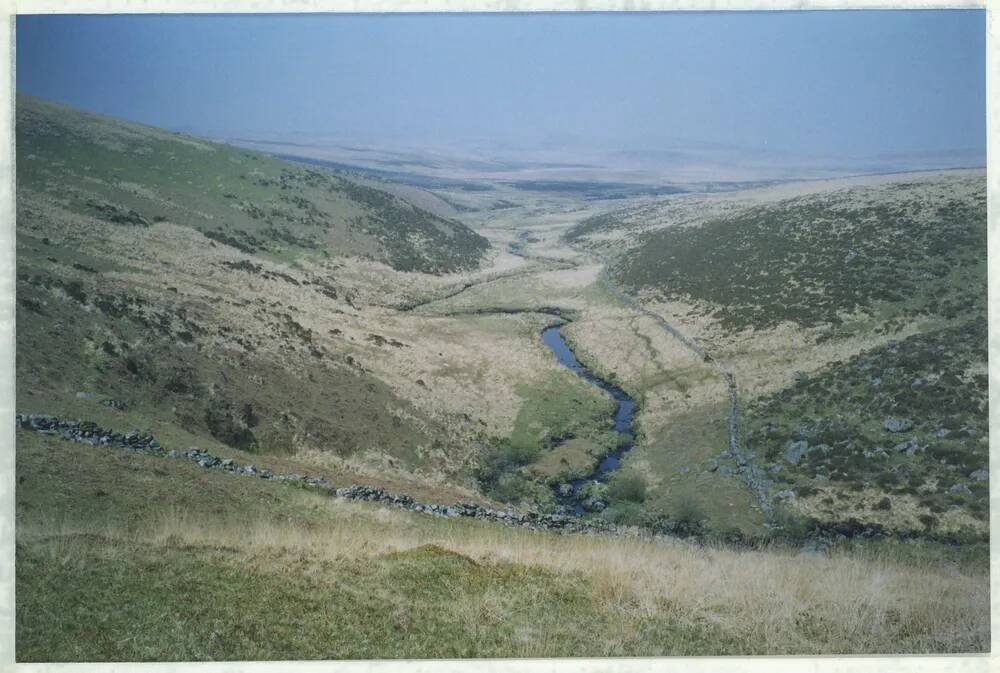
x,y
688,512
511,487
791,526
627,487
498,471
625,514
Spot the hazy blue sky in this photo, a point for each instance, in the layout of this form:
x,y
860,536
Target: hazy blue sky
x,y
815,82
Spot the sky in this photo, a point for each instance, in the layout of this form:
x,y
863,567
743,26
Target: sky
x,y
816,83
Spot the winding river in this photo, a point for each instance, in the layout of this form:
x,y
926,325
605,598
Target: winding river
x,y
623,419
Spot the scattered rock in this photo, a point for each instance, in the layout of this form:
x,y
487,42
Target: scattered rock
x,y
794,451
898,424
785,495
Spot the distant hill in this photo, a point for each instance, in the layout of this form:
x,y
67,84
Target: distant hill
x,y
915,244
136,175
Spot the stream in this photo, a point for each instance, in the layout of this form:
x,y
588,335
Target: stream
x,y
623,419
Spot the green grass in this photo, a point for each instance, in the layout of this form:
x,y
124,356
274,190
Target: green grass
x,y
418,603
680,457
561,408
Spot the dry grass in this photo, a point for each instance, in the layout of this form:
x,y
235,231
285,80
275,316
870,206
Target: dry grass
x,y
775,601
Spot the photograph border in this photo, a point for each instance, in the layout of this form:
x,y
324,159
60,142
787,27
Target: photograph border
x,y
859,664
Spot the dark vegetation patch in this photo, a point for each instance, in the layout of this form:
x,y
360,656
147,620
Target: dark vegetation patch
x,y
591,191
500,475
241,240
380,340
231,424
117,214
593,225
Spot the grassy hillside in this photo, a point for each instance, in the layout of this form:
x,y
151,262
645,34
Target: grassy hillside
x,y
897,435
211,293
125,556
810,260
134,176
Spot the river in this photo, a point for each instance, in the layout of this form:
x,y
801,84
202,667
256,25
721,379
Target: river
x,y
623,419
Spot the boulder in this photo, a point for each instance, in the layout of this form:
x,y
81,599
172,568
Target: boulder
x,y
893,424
979,475
794,451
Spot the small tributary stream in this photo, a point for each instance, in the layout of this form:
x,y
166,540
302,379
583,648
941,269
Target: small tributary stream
x,y
623,419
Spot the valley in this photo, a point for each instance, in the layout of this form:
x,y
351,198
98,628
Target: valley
x,y
777,380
